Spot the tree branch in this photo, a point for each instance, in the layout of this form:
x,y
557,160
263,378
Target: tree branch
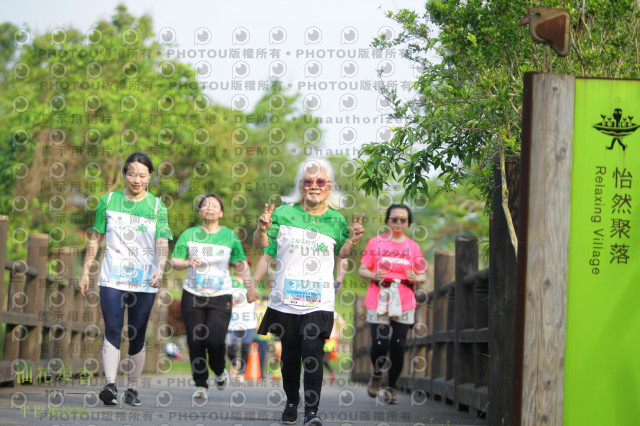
x,y
505,202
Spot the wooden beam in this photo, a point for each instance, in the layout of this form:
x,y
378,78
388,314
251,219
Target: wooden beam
x,y
4,230
546,256
502,290
466,263
35,288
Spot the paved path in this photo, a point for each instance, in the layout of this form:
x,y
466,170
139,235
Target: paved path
x,y
167,401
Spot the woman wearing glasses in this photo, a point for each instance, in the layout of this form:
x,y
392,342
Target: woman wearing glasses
x,y
208,250
306,237
134,224
394,265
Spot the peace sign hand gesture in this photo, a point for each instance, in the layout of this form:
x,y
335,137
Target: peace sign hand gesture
x,y
265,221
260,239
357,230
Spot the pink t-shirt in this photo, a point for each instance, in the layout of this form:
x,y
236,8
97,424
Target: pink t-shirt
x,y
396,259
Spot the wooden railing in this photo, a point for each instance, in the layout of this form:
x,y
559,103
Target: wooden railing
x,y
50,329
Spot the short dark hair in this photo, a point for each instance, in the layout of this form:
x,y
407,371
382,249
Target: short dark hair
x,y
216,196
138,157
397,206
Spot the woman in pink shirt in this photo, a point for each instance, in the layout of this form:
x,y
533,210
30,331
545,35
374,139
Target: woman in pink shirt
x,y
394,265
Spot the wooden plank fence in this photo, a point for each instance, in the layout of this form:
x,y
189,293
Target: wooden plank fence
x,y
49,326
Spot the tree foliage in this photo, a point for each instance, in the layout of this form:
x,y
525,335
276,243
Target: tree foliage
x,y
468,98
75,105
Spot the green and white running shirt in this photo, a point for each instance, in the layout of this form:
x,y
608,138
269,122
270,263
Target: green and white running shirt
x,y
304,247
215,251
131,229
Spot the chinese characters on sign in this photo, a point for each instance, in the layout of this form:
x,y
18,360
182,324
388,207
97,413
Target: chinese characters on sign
x,y
612,226
621,212
24,374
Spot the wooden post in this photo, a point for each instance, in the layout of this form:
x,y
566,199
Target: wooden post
x,y
46,318
444,266
4,229
360,346
365,338
480,348
431,351
466,263
547,146
55,342
15,303
91,346
481,303
481,323
37,253
77,338
5,365
502,287
429,342
451,337
68,351
430,322
74,306
417,356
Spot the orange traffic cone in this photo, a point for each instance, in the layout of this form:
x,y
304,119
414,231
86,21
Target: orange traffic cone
x,y
253,364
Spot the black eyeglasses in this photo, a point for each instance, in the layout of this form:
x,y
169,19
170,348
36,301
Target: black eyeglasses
x,y
398,220
308,183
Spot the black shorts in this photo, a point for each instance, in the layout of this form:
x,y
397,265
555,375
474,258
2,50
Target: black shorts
x,y
295,327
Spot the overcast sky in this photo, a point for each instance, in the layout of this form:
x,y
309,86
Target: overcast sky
x,y
320,49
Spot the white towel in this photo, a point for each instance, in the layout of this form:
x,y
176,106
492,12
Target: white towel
x,y
389,300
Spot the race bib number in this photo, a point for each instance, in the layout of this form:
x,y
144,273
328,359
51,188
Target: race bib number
x,y
301,292
132,277
208,282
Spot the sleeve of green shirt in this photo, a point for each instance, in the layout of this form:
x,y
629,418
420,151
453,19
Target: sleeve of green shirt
x,y
237,252
100,222
162,223
272,233
181,250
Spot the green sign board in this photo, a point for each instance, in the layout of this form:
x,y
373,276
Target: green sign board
x,y
602,362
